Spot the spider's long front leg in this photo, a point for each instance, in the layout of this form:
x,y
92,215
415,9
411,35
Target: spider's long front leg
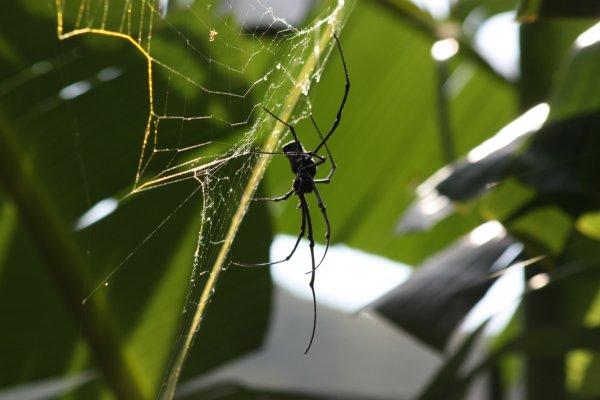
x,y
327,179
290,127
311,241
338,117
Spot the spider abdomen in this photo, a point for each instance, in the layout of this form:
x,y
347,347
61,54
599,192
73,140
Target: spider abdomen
x,y
303,183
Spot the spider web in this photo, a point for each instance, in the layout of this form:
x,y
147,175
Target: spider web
x,y
178,143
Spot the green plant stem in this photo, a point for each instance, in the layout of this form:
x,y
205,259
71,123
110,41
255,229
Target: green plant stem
x,y
423,23
541,343
66,267
443,111
545,375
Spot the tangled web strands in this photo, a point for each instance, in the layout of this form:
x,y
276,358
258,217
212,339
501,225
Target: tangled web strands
x,y
206,82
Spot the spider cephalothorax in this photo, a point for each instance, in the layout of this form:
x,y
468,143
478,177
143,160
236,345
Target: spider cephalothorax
x,y
304,166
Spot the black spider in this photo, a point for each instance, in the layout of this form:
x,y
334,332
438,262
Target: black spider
x,y
304,166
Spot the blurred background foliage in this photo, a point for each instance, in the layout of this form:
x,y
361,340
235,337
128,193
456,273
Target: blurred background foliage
x,y
415,184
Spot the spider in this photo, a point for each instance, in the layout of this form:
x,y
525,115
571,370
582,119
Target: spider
x,y
304,166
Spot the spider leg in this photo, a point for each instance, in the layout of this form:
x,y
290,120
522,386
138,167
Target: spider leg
x,y
311,241
278,198
327,225
327,179
300,236
272,152
338,117
286,124
320,160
